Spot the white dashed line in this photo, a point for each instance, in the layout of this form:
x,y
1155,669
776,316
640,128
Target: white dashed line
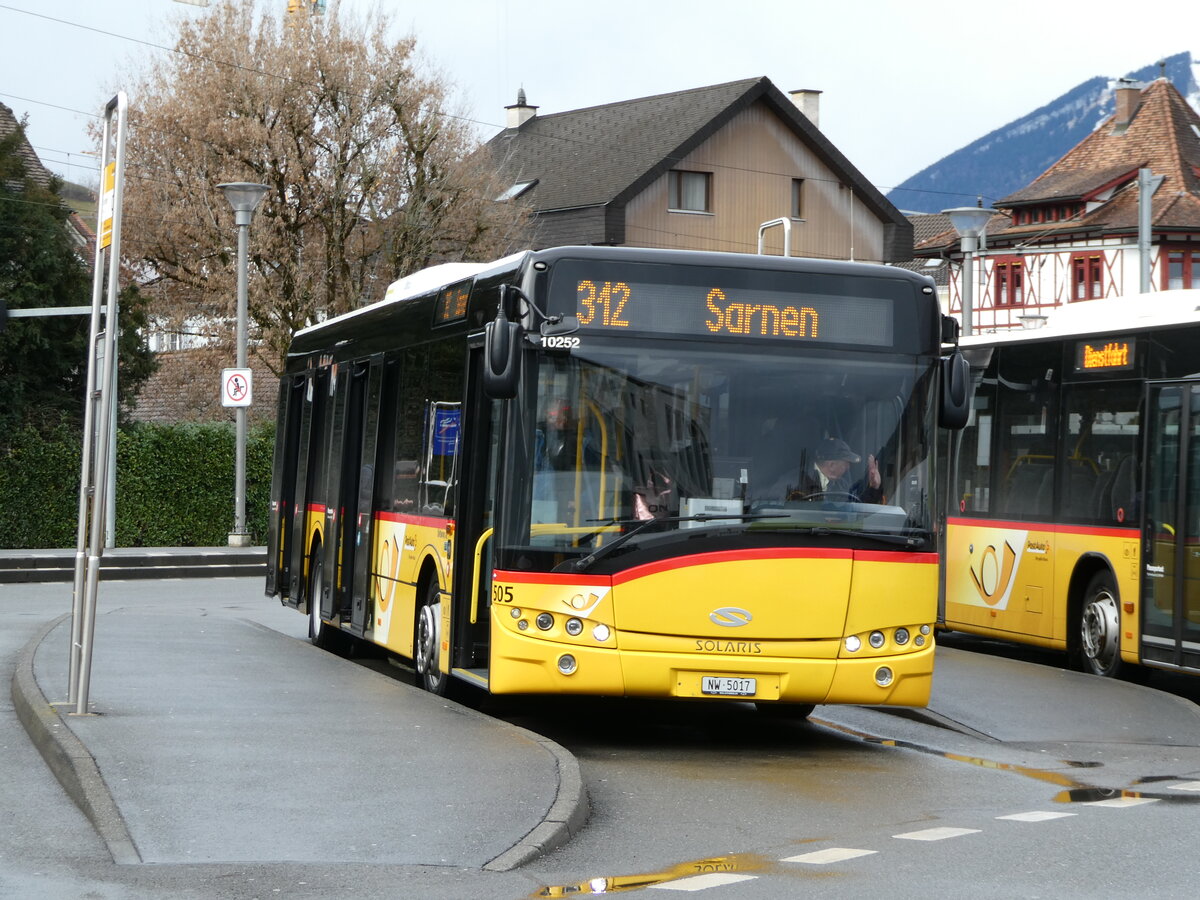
x,y
1186,786
935,834
702,882
1122,802
1036,816
831,855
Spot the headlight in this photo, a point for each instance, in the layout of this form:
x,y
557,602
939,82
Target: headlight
x,y
574,626
853,643
901,636
876,639
601,632
544,621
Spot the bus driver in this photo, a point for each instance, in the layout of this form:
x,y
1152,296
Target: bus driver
x,y
829,475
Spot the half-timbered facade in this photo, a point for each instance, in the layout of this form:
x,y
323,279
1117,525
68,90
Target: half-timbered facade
x,y
1072,234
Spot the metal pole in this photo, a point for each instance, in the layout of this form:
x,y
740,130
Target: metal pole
x,y
968,283
239,466
106,420
1148,183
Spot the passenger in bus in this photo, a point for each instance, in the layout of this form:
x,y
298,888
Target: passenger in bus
x,y
829,475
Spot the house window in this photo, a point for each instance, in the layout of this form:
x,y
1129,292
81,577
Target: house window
x,y
1183,269
797,198
1010,281
690,191
1086,277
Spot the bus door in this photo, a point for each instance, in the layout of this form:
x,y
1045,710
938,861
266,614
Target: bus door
x,y
309,487
359,566
478,459
283,475
348,470
1170,608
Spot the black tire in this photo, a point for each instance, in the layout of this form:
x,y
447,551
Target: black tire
x,y
796,712
1098,628
427,645
320,634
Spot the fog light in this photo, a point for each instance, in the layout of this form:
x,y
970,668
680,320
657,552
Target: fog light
x,y
924,629
876,639
883,676
523,625
901,636
566,664
515,613
919,640
853,643
544,621
574,627
601,633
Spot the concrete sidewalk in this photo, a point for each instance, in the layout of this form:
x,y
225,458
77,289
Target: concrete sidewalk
x,y
216,738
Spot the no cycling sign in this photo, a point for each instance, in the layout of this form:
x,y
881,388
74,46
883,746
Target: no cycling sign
x,y
236,387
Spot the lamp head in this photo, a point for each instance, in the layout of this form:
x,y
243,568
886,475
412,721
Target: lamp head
x,y
244,197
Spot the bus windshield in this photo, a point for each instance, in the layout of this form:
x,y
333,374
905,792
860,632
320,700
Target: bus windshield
x,y
678,441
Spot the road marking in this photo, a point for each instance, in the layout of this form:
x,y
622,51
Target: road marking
x,y
1186,786
935,834
1036,816
702,882
1122,802
831,855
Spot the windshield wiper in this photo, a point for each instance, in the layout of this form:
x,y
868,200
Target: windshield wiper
x,y
915,543
578,565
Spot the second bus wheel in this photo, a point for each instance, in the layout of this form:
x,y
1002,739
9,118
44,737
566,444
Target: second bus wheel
x,y
1099,628
428,642
320,634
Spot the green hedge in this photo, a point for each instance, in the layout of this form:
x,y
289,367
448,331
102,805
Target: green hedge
x,y
174,486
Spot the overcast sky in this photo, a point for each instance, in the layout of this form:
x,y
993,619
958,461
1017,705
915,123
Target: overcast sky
x,y
903,84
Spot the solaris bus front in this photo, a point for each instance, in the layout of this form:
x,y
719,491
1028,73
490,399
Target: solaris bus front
x,y
716,478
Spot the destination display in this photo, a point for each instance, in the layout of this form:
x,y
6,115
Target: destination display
x,y
721,303
452,303
1102,355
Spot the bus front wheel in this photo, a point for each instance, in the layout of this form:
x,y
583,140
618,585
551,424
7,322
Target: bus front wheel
x,y
1099,635
427,649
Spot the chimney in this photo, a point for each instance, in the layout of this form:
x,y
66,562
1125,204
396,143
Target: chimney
x,y
520,112
809,104
1128,94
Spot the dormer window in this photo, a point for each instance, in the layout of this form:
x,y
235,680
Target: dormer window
x,y
516,190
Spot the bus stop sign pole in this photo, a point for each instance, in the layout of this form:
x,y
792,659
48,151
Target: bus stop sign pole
x,y
99,415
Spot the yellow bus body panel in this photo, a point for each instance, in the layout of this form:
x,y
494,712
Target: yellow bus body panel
x,y
1013,580
665,632
402,547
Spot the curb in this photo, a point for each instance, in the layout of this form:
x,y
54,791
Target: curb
x,y
66,756
566,817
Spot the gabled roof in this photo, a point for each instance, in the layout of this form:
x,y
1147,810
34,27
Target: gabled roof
x,y
608,154
33,166
1163,134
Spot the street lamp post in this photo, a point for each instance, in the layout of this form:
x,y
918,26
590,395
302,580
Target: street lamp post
x,y
970,222
244,197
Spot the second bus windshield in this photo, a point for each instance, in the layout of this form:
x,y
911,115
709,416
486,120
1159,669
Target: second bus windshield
x,y
626,434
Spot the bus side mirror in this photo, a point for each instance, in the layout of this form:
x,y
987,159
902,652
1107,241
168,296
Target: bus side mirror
x,y
501,354
956,391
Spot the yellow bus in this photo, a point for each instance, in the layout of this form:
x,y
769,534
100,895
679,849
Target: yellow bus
x,y
579,470
1075,490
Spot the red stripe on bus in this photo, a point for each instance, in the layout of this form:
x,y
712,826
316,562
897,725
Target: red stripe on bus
x,y
704,559
547,578
431,521
1092,530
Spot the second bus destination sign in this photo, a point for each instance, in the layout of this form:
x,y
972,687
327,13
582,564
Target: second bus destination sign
x,y
725,306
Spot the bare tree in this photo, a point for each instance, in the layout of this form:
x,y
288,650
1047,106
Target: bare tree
x,y
370,177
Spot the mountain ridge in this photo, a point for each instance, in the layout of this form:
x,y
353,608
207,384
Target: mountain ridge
x,y
1010,157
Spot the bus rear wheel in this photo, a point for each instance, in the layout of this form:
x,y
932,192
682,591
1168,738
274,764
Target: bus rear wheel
x,y
318,634
1099,635
427,645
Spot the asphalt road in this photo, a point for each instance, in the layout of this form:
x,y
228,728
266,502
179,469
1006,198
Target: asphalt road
x,y
968,798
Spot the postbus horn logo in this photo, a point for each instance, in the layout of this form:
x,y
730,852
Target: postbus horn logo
x,y
730,616
994,576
